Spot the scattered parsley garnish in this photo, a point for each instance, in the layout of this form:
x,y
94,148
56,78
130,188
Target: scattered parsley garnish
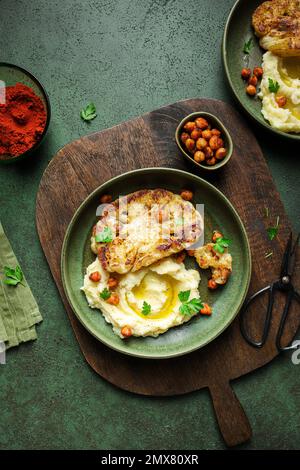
x,y
248,46
146,308
273,231
221,244
13,276
268,255
88,113
273,85
105,294
188,307
183,296
105,236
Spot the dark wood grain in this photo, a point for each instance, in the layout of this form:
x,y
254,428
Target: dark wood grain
x,y
148,141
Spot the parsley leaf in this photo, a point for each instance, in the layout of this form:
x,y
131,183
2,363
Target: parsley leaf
x,y
146,308
88,113
273,85
105,294
221,244
273,231
13,276
183,296
105,236
248,46
188,307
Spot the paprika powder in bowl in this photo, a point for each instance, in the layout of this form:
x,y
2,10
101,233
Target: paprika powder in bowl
x,y
24,113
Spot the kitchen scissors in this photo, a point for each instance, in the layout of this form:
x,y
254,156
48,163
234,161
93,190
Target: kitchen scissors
x,y
284,284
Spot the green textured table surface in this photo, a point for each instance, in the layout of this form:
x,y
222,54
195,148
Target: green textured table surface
x,y
129,57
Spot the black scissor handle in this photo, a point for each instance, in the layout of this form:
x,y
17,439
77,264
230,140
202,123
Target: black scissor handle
x,y
292,294
267,323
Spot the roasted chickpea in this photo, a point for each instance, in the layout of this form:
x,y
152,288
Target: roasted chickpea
x,y
220,153
201,123
251,90
199,156
113,299
126,331
208,152
206,310
206,134
212,285
201,143
281,101
112,282
95,276
105,199
180,257
216,142
246,73
186,195
190,144
196,134
253,80
184,136
258,72
211,161
189,126
216,235
216,132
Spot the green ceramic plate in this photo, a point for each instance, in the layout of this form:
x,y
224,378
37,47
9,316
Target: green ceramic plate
x,y
238,30
226,301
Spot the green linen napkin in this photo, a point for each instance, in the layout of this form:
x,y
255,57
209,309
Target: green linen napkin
x,y
19,312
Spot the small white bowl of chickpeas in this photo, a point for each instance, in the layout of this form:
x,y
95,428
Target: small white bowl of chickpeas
x,y
204,140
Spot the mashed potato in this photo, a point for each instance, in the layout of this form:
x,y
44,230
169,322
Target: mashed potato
x,y
287,73
158,285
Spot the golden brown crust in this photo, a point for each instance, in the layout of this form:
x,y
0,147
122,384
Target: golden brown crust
x,y
146,230
277,24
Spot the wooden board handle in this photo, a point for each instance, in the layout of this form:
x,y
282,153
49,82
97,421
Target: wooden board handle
x,y
233,422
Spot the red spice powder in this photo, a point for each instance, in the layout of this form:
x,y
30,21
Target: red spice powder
x,y
22,120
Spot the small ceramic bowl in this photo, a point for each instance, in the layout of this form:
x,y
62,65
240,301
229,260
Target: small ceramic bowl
x,y
215,123
11,74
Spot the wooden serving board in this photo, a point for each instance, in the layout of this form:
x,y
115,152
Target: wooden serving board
x,y
148,141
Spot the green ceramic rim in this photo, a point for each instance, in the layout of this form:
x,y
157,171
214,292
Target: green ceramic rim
x,y
223,129
262,123
48,111
247,265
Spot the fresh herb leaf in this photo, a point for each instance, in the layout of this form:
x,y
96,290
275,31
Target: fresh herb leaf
x,y
105,294
273,85
248,46
273,231
190,307
268,255
221,244
13,276
146,308
183,296
88,113
105,236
